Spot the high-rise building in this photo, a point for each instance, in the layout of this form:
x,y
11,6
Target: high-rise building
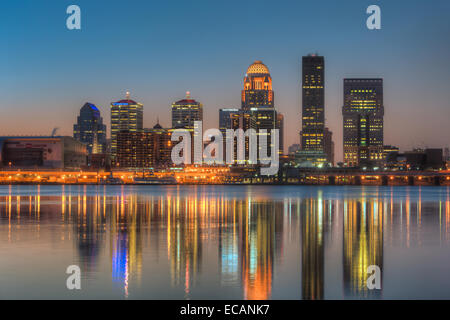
x,y
90,129
257,109
126,115
363,113
228,119
313,103
315,151
185,112
257,90
264,118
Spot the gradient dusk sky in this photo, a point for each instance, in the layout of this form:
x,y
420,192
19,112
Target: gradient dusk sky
x,y
160,49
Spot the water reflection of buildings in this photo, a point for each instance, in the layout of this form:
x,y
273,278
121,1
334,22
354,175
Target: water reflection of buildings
x,y
261,224
89,223
363,245
247,232
313,214
127,215
185,222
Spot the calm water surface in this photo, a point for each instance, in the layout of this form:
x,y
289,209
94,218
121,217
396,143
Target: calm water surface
x,y
224,242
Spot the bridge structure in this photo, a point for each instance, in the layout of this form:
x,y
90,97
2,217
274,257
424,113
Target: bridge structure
x,y
381,178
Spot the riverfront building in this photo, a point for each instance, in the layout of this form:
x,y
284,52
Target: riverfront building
x,y
42,153
149,149
317,147
90,129
126,115
363,113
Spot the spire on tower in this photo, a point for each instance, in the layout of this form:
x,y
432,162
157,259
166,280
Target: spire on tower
x,y
128,95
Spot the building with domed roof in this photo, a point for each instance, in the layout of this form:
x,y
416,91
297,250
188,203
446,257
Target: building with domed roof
x,y
257,90
90,129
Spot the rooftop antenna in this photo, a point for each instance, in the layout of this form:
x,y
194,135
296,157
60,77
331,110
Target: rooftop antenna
x,y
54,131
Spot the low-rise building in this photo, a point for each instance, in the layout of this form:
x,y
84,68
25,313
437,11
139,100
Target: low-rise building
x,y
42,152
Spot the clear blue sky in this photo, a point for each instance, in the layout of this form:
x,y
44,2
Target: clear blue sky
x,y
160,49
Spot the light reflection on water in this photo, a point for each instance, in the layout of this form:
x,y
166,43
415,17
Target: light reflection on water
x,y
224,242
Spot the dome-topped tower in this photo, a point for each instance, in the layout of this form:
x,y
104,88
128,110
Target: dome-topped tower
x,y
258,67
257,87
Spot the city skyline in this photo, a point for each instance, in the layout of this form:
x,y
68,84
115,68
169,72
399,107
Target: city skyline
x,y
76,68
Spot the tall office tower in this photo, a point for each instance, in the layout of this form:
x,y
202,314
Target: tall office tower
x,y
185,112
257,87
312,153
229,118
313,103
264,118
126,115
363,113
90,129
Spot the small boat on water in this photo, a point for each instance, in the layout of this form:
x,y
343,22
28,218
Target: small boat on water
x,y
155,180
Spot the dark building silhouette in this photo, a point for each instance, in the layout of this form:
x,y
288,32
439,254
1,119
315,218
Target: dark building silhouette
x,y
90,129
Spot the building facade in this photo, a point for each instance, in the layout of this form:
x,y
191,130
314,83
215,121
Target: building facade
x,y
328,146
126,115
257,90
149,149
317,147
229,118
363,113
90,129
42,153
313,103
185,112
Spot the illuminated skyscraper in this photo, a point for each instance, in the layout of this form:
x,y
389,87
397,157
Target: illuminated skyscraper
x,y
313,103
185,112
126,115
363,113
257,87
228,119
90,129
313,150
